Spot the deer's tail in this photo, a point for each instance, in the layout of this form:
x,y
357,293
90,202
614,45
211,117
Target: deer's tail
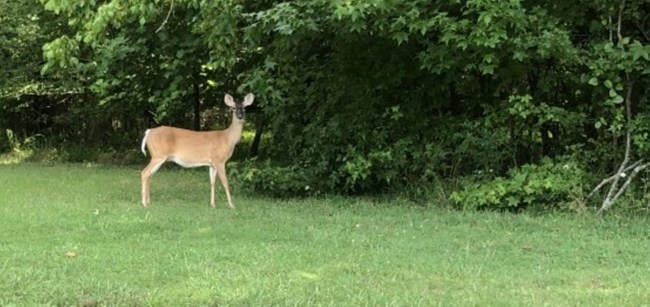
x,y
144,142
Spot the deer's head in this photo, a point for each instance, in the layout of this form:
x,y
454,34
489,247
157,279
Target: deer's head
x,y
238,107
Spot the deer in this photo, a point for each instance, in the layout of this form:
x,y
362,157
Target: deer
x,y
190,149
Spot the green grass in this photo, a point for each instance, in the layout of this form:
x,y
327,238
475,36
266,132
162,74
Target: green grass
x,y
75,235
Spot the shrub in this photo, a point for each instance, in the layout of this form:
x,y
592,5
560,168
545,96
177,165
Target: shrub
x,y
545,184
274,180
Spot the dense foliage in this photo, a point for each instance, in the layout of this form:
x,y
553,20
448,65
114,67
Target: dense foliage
x,y
355,95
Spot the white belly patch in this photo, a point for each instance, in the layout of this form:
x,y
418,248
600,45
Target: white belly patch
x,y
187,164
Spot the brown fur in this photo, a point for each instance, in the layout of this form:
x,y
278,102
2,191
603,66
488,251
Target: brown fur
x,y
193,149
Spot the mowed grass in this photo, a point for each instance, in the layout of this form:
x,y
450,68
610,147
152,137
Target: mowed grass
x,y
75,235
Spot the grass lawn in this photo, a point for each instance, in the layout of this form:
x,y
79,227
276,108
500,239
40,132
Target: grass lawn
x,y
76,235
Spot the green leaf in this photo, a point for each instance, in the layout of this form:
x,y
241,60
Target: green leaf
x,y
593,81
400,37
612,93
487,69
487,19
639,51
512,201
608,84
618,99
519,55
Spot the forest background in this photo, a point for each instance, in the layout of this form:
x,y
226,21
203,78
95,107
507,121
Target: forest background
x,y
481,103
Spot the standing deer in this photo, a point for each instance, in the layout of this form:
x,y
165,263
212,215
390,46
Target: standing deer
x,y
189,148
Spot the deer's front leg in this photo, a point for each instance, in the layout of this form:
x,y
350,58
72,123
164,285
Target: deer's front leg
x,y
213,179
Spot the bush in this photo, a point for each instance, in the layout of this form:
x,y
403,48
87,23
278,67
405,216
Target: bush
x,y
272,180
545,184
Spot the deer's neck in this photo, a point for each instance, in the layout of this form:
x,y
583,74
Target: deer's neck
x,y
235,129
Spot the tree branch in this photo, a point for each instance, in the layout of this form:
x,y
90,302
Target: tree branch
x,y
171,8
609,25
614,189
620,21
629,179
612,177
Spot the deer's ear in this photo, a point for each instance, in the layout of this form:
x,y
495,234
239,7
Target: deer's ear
x,y
229,101
248,100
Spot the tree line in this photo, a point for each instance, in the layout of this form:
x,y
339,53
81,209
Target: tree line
x,y
520,103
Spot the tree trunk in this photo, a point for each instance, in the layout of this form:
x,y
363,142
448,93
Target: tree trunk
x,y
197,103
259,129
